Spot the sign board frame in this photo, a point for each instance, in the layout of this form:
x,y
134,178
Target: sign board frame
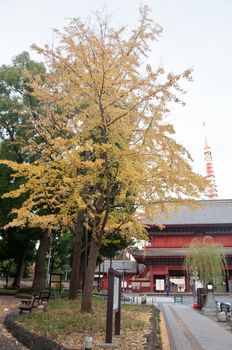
x,y
56,277
116,294
113,304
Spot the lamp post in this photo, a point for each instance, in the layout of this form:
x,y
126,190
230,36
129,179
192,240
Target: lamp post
x,y
210,304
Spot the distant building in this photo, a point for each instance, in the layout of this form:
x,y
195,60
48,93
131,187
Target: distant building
x,y
128,268
162,261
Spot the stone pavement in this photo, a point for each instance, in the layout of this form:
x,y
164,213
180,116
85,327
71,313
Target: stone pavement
x,y
189,330
7,342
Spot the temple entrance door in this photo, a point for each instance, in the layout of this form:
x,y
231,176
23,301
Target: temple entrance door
x,y
159,283
177,280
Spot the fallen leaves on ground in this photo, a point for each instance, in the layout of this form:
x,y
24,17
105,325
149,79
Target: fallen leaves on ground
x,y
65,324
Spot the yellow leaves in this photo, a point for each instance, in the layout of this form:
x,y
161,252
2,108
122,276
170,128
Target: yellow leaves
x,y
26,218
15,193
105,146
17,167
129,225
134,229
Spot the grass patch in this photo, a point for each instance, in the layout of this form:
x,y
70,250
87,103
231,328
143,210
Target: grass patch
x,y
6,291
157,333
64,323
63,317
26,290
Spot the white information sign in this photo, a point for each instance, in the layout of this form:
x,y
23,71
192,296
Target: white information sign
x,y
159,284
116,294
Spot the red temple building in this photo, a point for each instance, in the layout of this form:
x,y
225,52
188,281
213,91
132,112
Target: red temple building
x,y
161,262
128,269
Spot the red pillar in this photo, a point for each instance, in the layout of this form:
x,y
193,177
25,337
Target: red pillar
x,y
187,284
151,279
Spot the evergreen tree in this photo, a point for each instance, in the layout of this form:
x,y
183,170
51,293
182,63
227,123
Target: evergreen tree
x,y
15,133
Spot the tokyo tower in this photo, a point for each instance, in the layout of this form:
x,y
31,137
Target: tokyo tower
x,y
212,192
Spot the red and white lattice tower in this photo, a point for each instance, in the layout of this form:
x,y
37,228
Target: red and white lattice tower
x,y
212,192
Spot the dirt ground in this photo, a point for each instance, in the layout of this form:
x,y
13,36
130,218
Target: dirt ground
x,y
164,333
9,303
136,340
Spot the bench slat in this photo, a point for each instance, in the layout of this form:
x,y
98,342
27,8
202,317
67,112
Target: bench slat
x,y
44,295
27,304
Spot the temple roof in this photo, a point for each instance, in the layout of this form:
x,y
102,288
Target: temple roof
x,y
169,252
208,212
127,266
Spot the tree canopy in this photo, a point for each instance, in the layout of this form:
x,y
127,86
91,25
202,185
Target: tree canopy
x,y
17,244
206,259
106,146
106,149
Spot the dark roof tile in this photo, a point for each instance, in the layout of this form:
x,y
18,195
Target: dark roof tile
x,y
209,212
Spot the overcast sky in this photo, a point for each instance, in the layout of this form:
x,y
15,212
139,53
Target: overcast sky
x,y
196,34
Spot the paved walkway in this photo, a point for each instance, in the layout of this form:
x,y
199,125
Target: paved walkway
x,y
189,330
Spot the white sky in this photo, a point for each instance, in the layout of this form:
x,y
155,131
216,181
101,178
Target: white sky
x,y
197,34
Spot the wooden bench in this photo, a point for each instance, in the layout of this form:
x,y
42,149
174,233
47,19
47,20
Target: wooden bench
x,y
226,307
44,295
178,298
27,305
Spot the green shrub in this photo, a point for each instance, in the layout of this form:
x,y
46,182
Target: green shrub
x,y
6,291
27,290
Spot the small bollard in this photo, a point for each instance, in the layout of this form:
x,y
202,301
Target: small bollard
x,y
88,343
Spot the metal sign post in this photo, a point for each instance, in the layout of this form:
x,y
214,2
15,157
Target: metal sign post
x,y
55,277
113,304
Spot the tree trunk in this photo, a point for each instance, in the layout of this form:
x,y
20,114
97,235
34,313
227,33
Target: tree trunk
x,y
6,274
39,281
19,271
82,271
86,305
76,263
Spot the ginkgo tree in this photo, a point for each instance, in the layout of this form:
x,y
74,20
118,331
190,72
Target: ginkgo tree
x,y
107,154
